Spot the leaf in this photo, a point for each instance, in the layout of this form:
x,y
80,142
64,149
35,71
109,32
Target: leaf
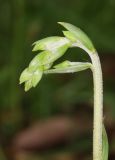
x,y
69,67
50,43
78,34
105,145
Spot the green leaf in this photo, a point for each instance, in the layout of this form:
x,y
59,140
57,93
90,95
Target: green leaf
x,y
50,43
78,34
69,67
105,145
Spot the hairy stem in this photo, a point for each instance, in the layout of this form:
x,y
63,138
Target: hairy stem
x,y
98,107
98,102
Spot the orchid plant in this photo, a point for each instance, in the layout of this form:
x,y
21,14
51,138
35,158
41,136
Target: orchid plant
x,y
52,48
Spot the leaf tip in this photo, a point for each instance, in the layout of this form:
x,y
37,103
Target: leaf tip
x,y
61,23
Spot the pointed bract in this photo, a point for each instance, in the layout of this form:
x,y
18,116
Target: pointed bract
x,y
36,77
79,34
62,65
28,85
69,67
50,43
70,36
25,76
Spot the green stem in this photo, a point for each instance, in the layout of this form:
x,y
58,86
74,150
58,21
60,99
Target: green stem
x,y
98,107
98,102
98,98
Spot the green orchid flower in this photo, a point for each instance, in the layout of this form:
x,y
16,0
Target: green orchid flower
x,y
52,49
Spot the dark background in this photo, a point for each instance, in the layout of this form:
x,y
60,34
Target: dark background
x,y
62,104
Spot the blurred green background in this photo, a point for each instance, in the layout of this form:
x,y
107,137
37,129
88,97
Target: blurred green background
x,y
21,23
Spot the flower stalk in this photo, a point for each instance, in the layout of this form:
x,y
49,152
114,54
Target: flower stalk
x,y
98,107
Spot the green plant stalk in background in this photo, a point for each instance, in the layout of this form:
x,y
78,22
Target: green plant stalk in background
x,y
18,14
53,48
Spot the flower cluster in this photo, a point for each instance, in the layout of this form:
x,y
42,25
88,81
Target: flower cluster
x,y
51,49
